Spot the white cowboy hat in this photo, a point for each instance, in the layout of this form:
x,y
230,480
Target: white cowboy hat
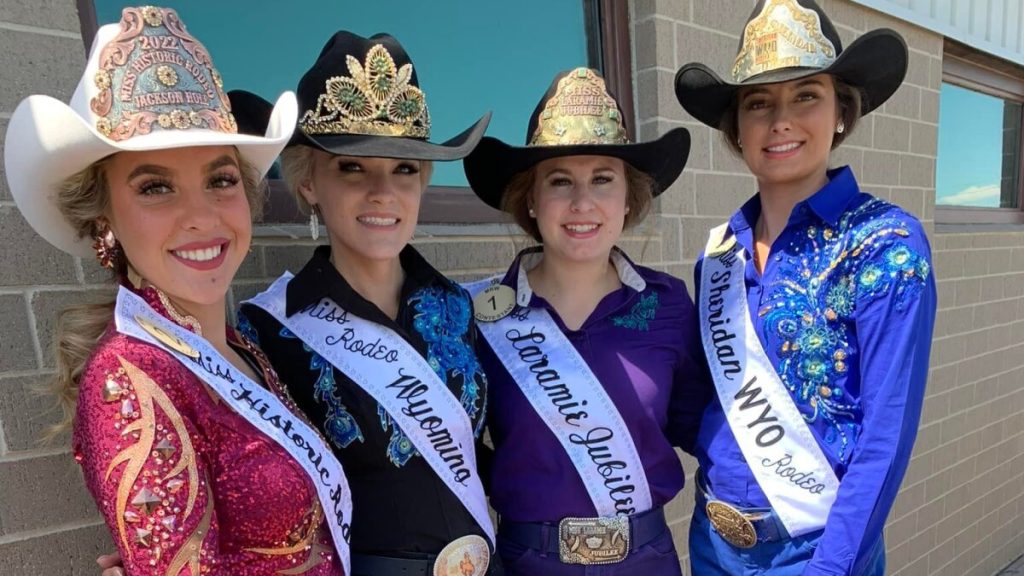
x,y
148,85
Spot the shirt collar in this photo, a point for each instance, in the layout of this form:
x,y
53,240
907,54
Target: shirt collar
x,y
829,203
529,258
319,279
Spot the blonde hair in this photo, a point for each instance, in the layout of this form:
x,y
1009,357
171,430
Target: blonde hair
x,y
84,200
297,163
640,190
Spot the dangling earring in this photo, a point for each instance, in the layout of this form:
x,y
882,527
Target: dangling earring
x,y
314,223
841,127
105,245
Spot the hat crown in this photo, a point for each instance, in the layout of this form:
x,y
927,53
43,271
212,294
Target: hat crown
x,y
147,74
577,109
364,86
785,34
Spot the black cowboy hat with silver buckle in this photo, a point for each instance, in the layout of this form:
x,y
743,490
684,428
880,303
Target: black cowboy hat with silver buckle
x,y
576,117
786,40
362,98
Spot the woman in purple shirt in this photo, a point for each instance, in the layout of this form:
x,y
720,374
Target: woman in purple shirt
x,y
816,305
588,355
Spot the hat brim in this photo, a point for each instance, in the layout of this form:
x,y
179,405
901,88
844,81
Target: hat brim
x,y
48,142
494,163
875,63
251,111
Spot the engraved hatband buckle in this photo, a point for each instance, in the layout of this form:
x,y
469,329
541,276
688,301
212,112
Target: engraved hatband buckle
x,y
466,556
732,525
593,540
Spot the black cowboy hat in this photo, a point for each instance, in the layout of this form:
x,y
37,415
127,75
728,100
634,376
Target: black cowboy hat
x,y
362,98
593,126
874,63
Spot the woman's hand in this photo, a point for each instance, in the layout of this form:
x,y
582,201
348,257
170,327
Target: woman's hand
x,y
110,564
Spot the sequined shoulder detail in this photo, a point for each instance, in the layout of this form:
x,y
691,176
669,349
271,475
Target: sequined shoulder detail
x,y
824,276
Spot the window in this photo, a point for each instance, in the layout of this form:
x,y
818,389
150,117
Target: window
x,y
978,169
470,57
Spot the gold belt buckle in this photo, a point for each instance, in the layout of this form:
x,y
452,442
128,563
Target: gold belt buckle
x,y
593,540
466,556
731,524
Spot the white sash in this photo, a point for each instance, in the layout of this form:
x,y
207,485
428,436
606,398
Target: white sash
x,y
400,379
573,404
776,442
259,406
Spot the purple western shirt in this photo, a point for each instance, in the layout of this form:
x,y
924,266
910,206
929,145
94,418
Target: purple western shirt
x,y
642,344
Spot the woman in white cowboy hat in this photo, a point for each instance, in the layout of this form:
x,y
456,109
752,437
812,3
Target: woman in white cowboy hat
x,y
184,434
816,306
589,356
375,345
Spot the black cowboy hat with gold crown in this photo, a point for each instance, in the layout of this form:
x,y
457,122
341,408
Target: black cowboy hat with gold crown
x,y
576,117
362,98
786,40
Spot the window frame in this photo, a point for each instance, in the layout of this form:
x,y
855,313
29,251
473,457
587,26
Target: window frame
x,y
607,32
967,68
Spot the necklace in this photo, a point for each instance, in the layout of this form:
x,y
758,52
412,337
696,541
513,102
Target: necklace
x,y
186,320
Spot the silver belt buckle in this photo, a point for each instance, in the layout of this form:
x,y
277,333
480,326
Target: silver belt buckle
x,y
593,540
466,556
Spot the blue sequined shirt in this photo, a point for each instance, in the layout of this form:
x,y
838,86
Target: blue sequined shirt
x,y
844,309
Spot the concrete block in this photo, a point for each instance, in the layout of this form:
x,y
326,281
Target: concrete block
x,y
281,257
929,106
657,98
27,259
881,168
716,51
679,198
47,491
5,192
16,350
917,171
47,306
27,411
924,139
720,195
654,44
918,69
673,9
38,64
892,134
729,16
723,158
906,102
467,255
51,14
70,552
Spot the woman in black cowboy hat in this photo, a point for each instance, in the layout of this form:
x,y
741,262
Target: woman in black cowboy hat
x,y
376,346
589,355
816,305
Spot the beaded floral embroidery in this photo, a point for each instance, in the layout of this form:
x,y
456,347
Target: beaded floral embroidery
x,y
442,319
810,314
340,426
640,314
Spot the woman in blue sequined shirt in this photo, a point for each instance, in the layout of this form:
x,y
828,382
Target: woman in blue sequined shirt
x,y
838,291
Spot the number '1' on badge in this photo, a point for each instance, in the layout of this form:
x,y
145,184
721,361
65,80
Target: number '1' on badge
x,y
494,303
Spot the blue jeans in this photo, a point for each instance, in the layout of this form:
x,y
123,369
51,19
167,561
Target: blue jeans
x,y
656,558
710,555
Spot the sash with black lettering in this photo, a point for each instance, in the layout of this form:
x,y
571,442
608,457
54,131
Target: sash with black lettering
x,y
391,371
573,404
259,406
780,449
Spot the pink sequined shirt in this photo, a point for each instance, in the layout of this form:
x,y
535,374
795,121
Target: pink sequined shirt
x,y
185,484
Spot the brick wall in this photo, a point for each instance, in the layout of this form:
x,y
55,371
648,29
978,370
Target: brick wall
x,y
960,510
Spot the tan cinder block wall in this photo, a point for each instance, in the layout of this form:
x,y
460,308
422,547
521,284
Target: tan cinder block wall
x,y
960,510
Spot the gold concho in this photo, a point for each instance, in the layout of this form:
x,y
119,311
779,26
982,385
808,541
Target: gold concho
x,y
783,35
466,556
581,112
165,337
375,99
593,540
494,303
731,524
